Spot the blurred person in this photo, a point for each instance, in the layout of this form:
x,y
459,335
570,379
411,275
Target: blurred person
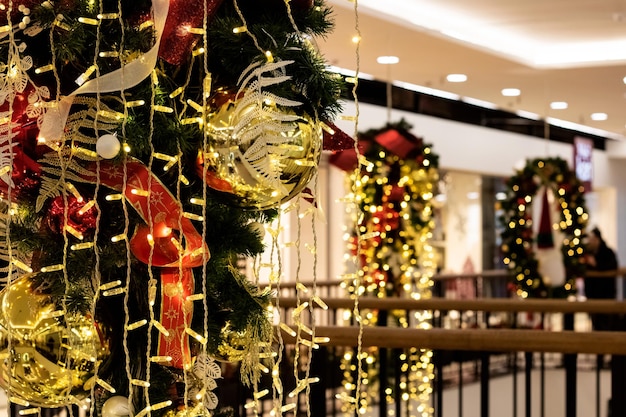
x,y
599,257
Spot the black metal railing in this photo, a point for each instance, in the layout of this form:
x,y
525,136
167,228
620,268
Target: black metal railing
x,y
515,351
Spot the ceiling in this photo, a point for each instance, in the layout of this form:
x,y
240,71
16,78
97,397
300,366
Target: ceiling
x,y
571,51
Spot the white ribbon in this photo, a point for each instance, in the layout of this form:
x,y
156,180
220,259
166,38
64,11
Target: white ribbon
x,y
127,76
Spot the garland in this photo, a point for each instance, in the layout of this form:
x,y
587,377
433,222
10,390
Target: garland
x,y
517,236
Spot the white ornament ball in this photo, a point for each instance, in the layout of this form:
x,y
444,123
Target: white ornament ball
x,y
108,146
116,406
258,228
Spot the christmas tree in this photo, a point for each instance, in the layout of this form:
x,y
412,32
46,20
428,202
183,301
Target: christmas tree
x,y
143,145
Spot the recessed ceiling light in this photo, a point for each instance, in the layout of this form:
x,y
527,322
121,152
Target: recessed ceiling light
x,y
624,79
599,116
511,92
558,105
456,78
388,59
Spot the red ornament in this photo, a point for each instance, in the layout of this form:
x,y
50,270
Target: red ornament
x,y
82,222
177,41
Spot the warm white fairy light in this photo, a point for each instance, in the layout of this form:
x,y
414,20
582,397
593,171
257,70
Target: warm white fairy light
x,y
21,265
109,54
19,401
29,411
105,385
119,238
115,291
113,115
160,359
162,109
52,268
88,21
160,327
82,246
201,339
108,16
58,22
135,103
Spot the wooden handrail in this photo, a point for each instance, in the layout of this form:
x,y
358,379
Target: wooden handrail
x,y
479,304
487,274
495,340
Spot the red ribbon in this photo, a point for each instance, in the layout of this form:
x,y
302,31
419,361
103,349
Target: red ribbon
x,y
177,41
163,215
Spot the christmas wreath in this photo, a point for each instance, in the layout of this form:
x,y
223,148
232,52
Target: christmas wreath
x,y
517,235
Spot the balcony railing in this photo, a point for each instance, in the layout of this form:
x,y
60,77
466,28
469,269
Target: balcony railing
x,y
469,349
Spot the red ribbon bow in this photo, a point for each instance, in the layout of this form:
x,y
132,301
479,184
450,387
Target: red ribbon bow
x,y
163,216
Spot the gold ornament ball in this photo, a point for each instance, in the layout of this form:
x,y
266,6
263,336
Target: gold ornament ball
x,y
233,346
50,355
189,412
262,154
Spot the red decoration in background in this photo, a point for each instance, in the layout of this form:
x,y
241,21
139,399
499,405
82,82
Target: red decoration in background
x,y
347,160
81,222
176,41
337,141
401,144
386,220
544,235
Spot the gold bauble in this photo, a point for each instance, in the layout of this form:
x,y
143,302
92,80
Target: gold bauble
x,y
50,355
233,347
199,411
262,154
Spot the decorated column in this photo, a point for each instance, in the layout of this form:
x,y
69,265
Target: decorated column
x,y
394,189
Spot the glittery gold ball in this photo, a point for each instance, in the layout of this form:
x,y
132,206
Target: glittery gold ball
x,y
233,346
50,355
189,412
262,154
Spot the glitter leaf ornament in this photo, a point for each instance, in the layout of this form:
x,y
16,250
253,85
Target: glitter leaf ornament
x,y
261,150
